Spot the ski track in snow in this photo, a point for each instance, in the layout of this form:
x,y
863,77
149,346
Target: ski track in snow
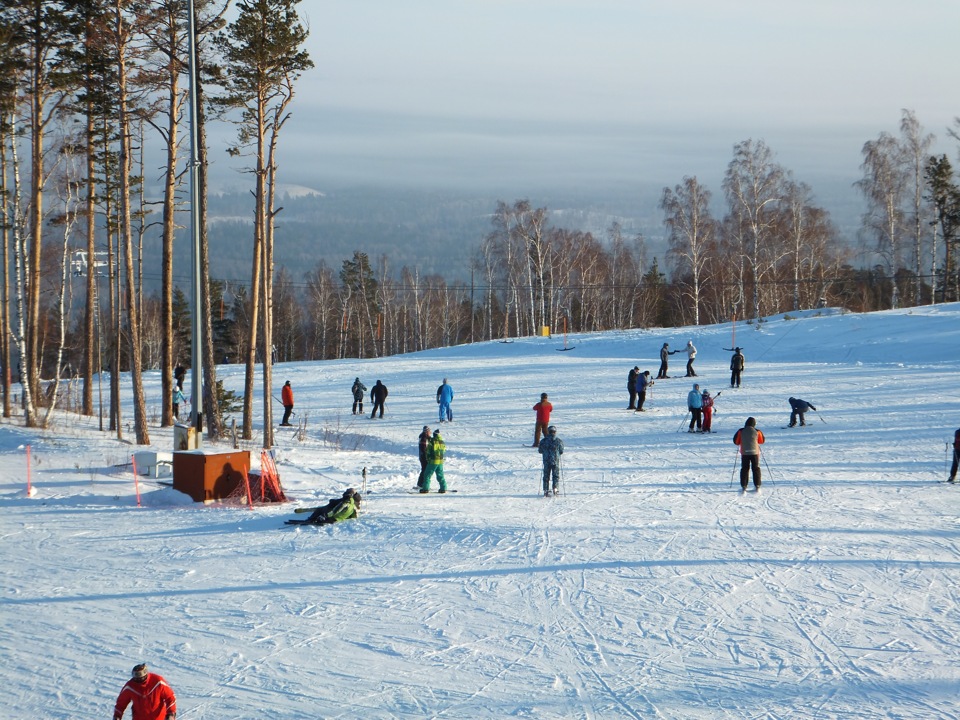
x,y
651,588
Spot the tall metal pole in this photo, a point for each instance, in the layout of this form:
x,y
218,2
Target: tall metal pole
x,y
196,378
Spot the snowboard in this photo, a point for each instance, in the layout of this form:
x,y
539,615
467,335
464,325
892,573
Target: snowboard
x,y
416,491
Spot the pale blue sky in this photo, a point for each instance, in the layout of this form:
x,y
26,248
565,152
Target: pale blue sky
x,y
511,93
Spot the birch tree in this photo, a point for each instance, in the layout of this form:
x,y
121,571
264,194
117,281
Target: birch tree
x,y
691,234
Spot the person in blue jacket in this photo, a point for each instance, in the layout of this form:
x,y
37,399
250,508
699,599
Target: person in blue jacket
x,y
695,406
444,398
643,382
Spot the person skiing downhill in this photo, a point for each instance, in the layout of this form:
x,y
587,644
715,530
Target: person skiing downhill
x,y
691,352
444,398
695,406
749,438
543,410
664,352
151,696
358,390
643,382
736,367
551,448
797,409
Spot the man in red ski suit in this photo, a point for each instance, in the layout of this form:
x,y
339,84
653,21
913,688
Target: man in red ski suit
x,y
543,410
152,698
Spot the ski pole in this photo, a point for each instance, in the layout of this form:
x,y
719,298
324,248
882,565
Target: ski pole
x,y
769,471
292,412
821,417
733,472
684,421
563,475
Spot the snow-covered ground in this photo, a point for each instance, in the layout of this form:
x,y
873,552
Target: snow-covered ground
x,y
651,588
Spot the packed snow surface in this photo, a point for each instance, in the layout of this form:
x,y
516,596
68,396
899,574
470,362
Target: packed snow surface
x,y
651,588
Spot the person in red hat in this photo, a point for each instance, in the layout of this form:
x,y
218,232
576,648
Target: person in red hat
x,y
150,695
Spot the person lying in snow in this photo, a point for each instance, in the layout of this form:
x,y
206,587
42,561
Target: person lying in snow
x,y
342,508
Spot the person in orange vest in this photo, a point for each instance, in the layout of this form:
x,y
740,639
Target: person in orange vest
x,y
286,397
543,410
150,695
749,438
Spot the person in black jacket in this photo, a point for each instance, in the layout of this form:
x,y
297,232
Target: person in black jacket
x,y
425,436
956,457
378,396
632,387
736,367
797,409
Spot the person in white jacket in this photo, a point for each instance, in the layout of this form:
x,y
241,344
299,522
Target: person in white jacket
x,y
691,352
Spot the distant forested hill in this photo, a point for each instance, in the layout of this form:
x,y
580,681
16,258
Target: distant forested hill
x,y
431,231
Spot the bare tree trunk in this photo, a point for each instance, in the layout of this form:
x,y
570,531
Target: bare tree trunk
x,y
69,219
5,329
126,230
211,403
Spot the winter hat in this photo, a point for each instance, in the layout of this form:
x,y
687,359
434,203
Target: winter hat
x,y
646,372
436,433
139,672
426,428
543,396
552,430
287,382
349,492
751,422
696,386
636,367
706,392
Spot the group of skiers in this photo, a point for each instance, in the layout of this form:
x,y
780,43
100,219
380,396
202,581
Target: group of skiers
x,y
378,396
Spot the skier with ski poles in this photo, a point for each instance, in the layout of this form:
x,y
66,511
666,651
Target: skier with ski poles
x,y
286,398
797,409
643,382
551,448
749,438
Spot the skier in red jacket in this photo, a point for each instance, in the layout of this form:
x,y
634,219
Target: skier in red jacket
x,y
543,409
152,698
